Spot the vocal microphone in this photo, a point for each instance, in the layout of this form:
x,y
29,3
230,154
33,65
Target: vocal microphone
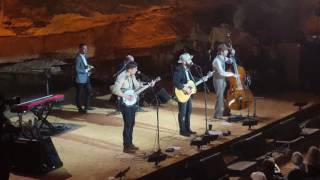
x,y
193,64
143,76
139,73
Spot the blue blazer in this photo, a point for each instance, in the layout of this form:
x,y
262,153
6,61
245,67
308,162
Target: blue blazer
x,y
81,75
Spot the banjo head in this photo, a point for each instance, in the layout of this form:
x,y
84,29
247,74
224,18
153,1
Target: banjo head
x,y
134,99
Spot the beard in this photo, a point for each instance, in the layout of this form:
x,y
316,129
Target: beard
x,y
188,65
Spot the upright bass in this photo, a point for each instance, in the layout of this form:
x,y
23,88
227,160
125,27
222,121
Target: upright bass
x,y
238,95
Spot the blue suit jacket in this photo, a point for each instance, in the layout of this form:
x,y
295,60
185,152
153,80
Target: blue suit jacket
x,y
81,74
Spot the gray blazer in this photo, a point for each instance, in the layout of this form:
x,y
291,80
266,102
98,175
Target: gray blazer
x,y
82,75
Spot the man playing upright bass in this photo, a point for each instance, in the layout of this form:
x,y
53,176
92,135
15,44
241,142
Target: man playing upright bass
x,y
219,77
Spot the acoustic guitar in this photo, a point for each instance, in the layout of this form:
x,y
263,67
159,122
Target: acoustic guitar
x,y
182,96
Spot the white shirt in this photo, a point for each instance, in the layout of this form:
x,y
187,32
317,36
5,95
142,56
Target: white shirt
x,y
84,59
187,74
125,82
219,69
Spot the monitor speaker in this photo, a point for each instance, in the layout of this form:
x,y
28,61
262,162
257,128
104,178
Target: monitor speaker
x,y
35,156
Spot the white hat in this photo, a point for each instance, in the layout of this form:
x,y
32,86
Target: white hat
x,y
185,57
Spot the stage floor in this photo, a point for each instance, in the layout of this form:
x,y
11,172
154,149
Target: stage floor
x,y
93,150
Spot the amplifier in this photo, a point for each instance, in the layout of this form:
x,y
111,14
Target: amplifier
x,y
34,156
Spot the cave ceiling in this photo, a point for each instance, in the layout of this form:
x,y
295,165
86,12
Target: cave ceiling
x,y
141,24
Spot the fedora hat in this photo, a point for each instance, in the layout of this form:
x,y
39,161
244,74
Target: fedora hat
x,y
185,57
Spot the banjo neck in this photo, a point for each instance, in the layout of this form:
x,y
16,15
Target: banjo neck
x,y
137,92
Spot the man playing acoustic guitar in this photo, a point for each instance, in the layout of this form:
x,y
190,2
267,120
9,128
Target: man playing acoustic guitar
x,y
181,77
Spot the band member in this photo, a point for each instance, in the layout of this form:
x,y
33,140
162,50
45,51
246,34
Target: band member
x,y
126,80
219,81
122,67
181,76
82,79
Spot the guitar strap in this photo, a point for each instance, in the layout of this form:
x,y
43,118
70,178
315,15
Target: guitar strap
x,y
191,76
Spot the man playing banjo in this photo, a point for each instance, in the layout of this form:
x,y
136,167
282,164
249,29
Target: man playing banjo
x,y
126,81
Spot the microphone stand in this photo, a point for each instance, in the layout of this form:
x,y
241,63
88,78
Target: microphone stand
x,y
122,174
158,155
206,137
206,90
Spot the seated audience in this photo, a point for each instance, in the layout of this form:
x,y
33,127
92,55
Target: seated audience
x,y
299,170
271,170
312,162
258,176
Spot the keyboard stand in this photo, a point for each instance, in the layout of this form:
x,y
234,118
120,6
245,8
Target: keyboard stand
x,y
42,112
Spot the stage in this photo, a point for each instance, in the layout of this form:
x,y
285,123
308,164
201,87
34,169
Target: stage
x,y
93,150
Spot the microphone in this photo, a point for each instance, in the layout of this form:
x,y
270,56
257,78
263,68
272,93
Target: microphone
x,y
143,76
193,64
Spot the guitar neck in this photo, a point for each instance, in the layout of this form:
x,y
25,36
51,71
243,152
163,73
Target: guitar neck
x,y
201,80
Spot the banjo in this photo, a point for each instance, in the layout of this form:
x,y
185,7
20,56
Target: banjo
x,y
134,94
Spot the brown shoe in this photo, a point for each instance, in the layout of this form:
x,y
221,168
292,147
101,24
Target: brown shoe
x,y
134,147
129,150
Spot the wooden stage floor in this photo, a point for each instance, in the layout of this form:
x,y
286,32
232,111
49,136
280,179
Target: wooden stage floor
x,y
94,149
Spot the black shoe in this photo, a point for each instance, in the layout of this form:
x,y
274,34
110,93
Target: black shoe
x,y
226,112
218,117
90,108
192,132
129,150
83,111
186,134
134,147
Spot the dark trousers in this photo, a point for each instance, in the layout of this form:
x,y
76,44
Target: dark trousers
x,y
129,115
184,115
83,95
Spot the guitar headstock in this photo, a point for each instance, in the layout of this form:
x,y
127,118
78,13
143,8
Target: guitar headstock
x,y
157,79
